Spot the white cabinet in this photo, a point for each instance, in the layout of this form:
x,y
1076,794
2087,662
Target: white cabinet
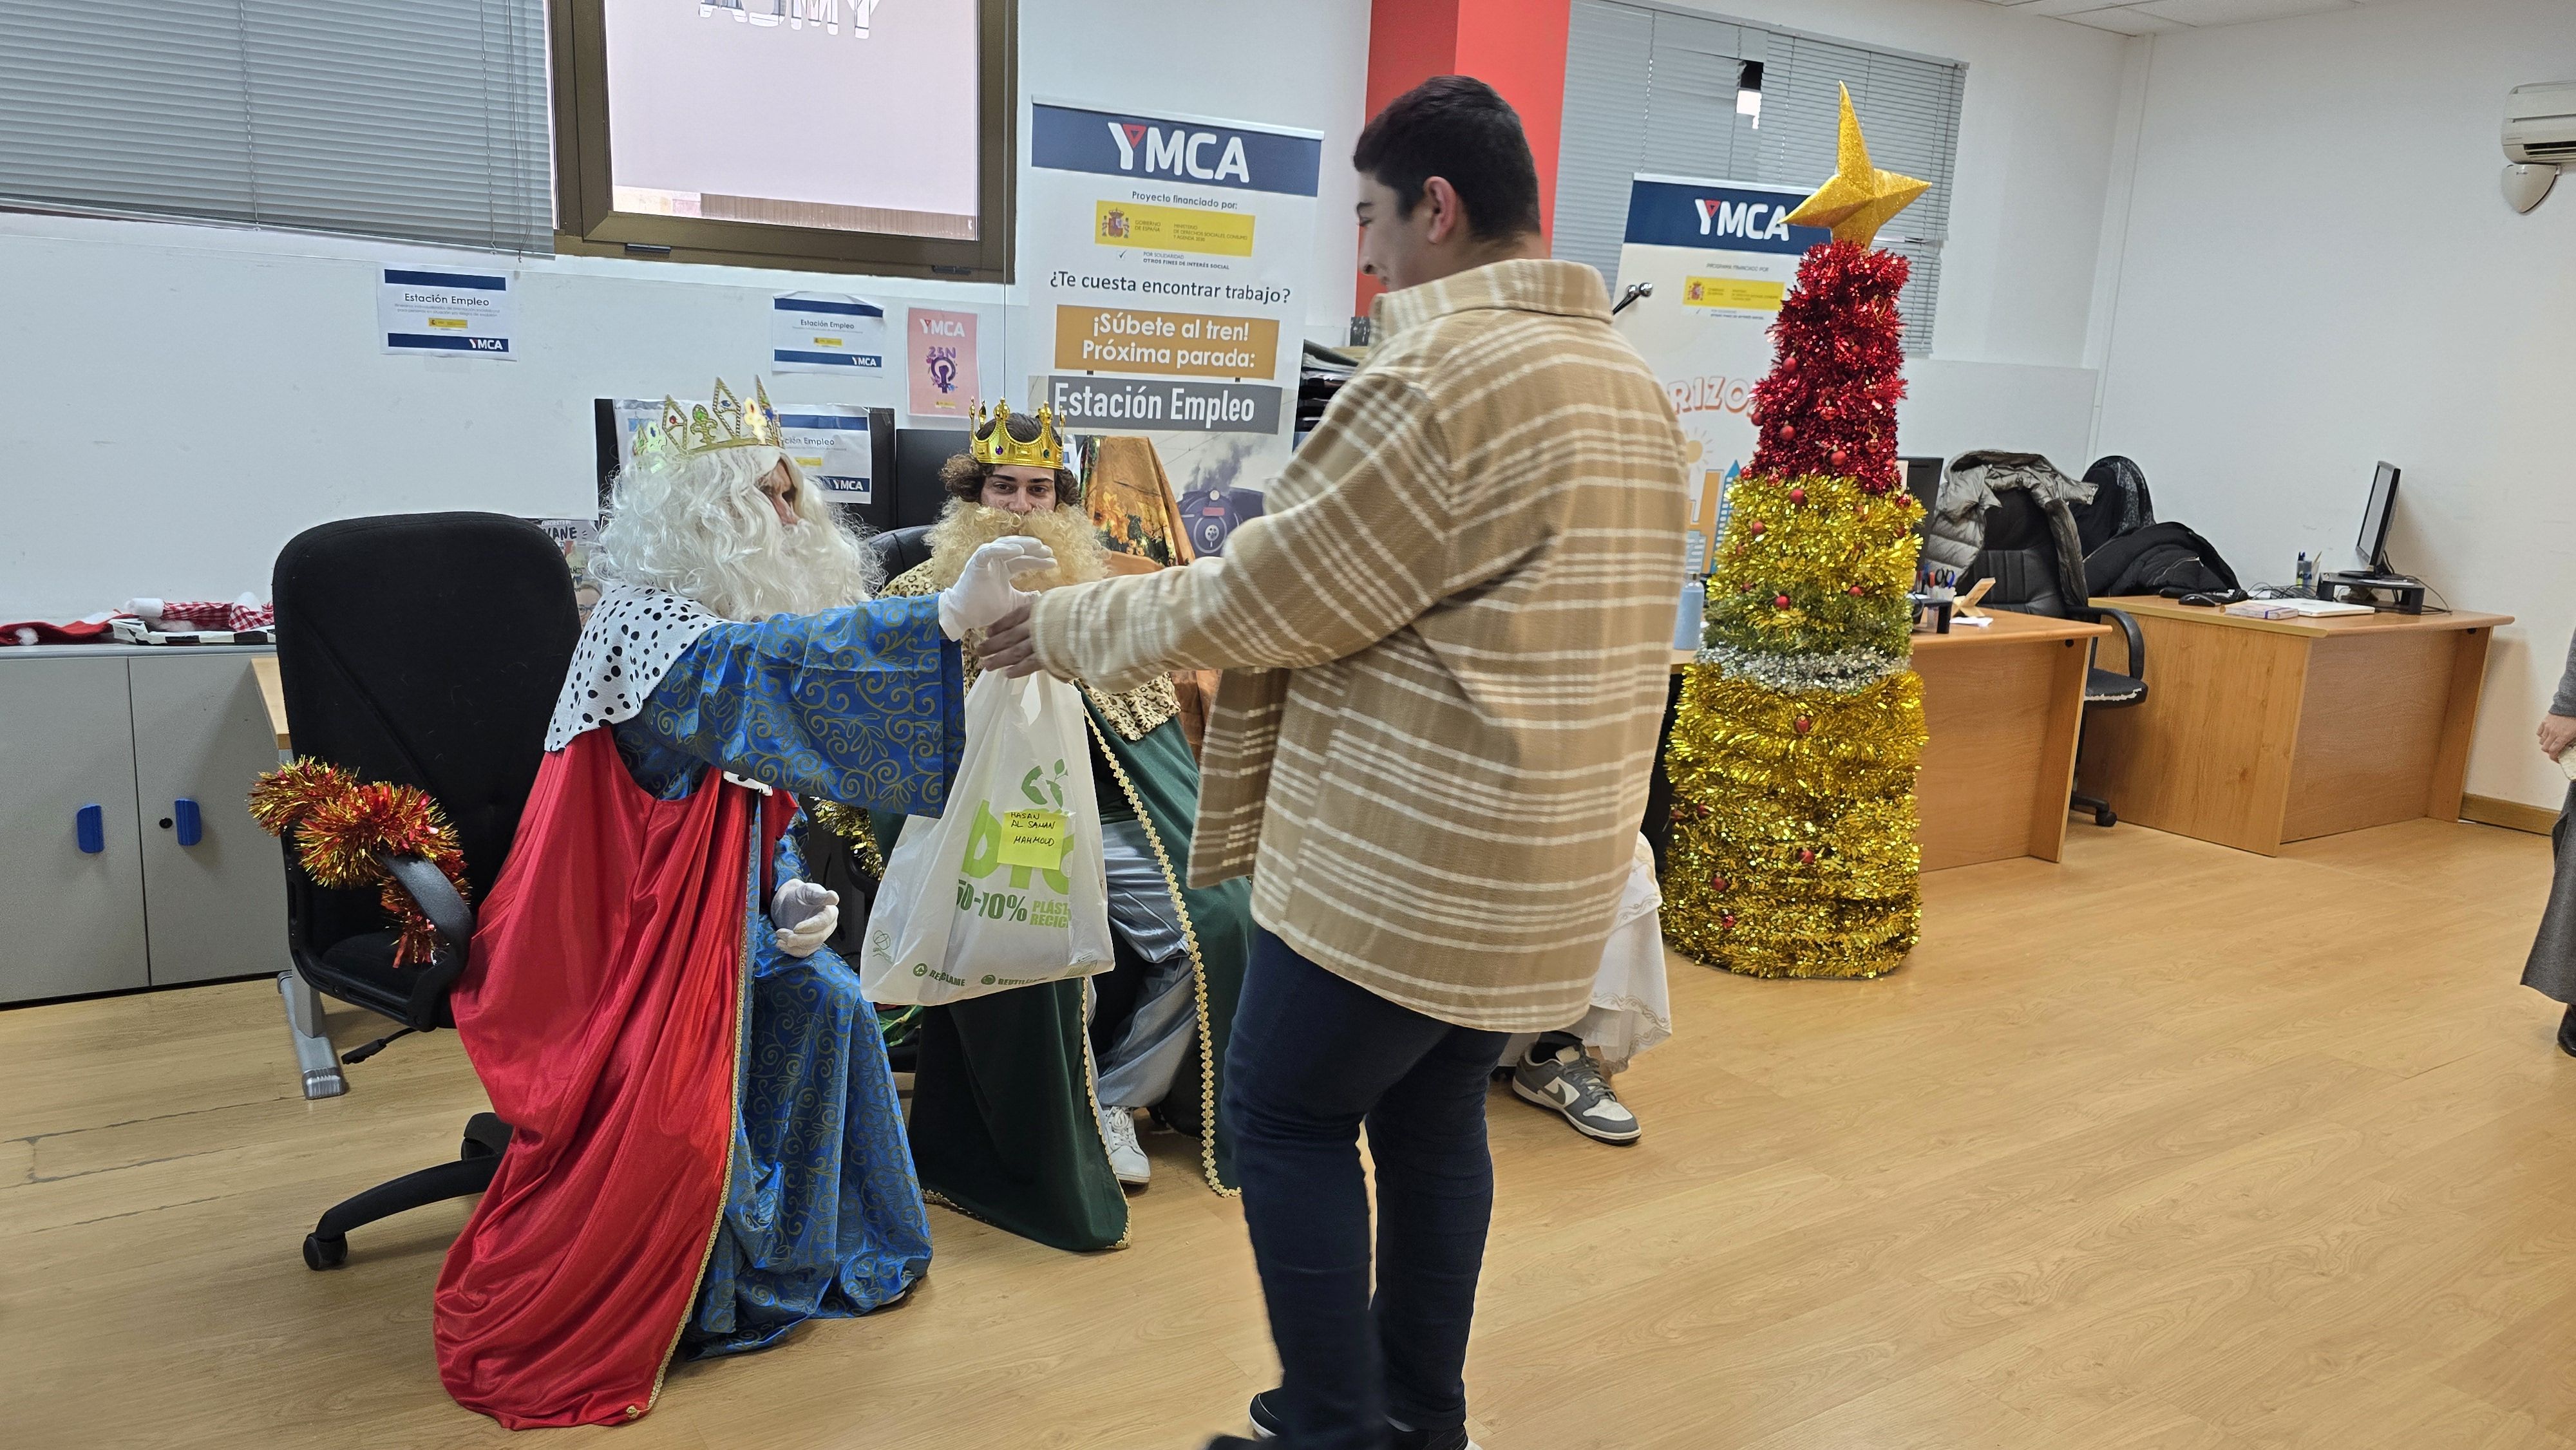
x,y
183,886
71,861
215,905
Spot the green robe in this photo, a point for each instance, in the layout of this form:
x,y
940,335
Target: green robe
x,y
1003,1127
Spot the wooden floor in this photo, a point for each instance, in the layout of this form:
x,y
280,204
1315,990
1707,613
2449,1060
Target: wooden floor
x,y
2166,1148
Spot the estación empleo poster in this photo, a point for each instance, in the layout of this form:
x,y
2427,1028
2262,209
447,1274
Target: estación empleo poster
x,y
1166,257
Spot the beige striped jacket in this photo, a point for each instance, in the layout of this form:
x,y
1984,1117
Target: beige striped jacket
x,y
1447,644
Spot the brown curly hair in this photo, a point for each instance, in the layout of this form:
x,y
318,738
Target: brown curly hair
x,y
963,477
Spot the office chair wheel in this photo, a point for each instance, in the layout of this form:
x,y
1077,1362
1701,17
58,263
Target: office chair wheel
x,y
325,1253
2105,818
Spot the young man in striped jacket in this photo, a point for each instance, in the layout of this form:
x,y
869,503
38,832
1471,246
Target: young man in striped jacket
x,y
1446,646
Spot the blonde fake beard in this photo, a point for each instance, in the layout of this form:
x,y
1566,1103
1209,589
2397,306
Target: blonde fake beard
x,y
964,527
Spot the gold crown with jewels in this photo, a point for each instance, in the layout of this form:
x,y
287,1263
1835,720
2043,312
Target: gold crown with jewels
x,y
706,427
994,443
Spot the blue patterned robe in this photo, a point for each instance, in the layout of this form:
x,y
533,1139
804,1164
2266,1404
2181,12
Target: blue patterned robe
x,y
823,1217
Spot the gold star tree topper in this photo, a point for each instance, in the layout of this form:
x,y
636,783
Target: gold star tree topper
x,y
1858,198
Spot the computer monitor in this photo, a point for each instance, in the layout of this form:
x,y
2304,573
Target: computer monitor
x,y
1923,480
2373,543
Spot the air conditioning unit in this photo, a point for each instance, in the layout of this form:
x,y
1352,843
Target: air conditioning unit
x,y
2540,124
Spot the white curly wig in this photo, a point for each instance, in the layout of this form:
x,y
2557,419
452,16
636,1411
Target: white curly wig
x,y
697,525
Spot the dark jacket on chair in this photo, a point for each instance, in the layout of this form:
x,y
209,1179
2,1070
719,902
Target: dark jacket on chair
x,y
2159,556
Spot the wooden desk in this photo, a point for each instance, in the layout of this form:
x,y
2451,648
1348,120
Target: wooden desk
x,y
2258,732
2003,705
264,669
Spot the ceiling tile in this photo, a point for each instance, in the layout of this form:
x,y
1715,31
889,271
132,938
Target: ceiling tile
x,y
2236,12
2127,20
2067,7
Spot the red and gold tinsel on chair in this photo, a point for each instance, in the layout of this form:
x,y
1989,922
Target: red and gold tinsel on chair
x,y
344,827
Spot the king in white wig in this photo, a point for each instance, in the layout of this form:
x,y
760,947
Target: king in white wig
x,y
737,529
707,1149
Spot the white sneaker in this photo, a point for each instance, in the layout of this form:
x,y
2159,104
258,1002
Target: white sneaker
x,y
1126,1156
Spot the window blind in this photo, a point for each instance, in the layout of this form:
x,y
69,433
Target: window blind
x,y
422,121
1650,89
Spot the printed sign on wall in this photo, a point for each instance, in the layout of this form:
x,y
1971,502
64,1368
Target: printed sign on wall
x,y
1166,259
823,332
463,314
830,444
1721,256
940,356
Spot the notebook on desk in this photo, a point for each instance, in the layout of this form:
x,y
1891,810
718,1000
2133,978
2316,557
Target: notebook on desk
x,y
2294,608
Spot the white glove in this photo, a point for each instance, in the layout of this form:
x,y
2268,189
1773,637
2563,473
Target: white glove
x,y
806,915
983,592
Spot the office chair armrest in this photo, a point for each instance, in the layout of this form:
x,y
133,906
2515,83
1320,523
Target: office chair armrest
x,y
2096,614
437,898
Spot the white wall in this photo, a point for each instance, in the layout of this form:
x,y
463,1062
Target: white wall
x,y
2319,273
2037,127
188,398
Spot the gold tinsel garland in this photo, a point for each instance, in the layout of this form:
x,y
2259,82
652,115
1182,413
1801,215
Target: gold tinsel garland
x,y
1791,851
1814,564
851,824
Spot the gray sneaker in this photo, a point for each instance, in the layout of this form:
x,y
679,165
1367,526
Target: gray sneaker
x,y
1571,1083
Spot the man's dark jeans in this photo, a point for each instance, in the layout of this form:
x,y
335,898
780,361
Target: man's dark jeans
x,y
1313,1057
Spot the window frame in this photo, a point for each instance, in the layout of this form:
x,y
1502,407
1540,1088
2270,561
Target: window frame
x,y
587,222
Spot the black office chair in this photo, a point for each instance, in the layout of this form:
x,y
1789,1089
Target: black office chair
x,y
2032,575
900,550
422,650
2110,690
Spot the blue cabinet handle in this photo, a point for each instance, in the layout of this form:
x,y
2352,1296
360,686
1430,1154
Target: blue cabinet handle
x,y
89,828
192,826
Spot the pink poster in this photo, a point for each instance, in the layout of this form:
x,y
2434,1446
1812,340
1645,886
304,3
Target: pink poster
x,y
941,346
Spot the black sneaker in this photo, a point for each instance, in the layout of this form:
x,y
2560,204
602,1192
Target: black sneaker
x,y
1269,1424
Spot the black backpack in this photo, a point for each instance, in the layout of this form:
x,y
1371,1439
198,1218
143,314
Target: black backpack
x,y
2120,503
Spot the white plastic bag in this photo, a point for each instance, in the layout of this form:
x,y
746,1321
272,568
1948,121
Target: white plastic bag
x,y
969,904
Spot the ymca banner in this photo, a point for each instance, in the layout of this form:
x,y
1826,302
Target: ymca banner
x,y
1721,256
1165,258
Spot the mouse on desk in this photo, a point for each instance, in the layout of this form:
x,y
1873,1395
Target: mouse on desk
x,y
2212,598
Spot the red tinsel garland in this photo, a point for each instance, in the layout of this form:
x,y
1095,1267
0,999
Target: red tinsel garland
x,y
1828,405
344,826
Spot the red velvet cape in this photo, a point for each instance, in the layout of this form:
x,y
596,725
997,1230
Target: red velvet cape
x,y
601,1010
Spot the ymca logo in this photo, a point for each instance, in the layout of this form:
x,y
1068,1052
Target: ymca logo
x,y
1719,217
1178,152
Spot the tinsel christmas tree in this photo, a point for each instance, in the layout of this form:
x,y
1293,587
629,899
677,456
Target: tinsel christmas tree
x,y
1792,759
